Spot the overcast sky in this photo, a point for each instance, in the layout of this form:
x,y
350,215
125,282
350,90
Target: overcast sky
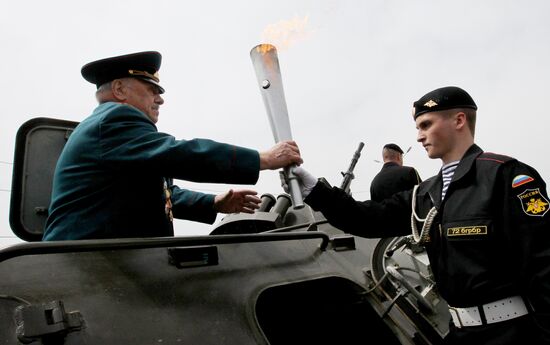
x,y
351,71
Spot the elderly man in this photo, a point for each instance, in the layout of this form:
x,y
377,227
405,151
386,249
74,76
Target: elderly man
x,y
114,176
483,220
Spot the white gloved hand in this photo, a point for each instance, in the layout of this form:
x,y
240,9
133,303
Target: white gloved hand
x,y
306,180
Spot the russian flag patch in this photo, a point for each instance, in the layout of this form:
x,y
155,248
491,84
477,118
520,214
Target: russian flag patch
x,y
521,180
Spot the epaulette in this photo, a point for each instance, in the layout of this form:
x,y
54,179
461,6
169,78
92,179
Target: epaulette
x,y
494,157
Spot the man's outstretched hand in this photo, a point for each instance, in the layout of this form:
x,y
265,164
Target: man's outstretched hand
x,y
235,201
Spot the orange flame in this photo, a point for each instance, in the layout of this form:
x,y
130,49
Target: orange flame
x,y
287,32
264,48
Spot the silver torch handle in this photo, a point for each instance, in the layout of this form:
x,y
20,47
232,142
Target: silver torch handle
x,y
266,64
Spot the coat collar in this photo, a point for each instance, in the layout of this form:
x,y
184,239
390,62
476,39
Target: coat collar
x,y
466,162
435,183
390,164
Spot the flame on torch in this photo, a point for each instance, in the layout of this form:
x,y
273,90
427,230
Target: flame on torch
x,y
285,33
264,48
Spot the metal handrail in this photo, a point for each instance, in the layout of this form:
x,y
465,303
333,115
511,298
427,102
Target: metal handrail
x,y
72,246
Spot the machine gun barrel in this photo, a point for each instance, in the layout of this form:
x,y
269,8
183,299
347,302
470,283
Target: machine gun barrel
x,y
348,175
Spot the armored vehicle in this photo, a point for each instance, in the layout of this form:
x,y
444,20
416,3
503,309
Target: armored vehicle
x,y
282,275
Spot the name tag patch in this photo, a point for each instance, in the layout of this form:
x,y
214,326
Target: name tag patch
x,y
533,203
467,230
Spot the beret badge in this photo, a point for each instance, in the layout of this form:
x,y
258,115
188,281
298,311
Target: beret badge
x,y
430,104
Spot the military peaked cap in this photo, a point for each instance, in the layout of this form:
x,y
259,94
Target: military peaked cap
x,y
450,97
143,65
394,147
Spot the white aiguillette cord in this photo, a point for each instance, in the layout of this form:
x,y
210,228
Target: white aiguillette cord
x,y
425,233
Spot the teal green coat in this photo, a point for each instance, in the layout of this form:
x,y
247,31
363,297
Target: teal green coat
x,y
108,182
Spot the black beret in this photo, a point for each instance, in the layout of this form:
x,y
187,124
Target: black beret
x,y
394,147
143,65
450,97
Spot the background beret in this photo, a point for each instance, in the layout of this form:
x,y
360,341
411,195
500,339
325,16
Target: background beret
x,y
394,147
449,97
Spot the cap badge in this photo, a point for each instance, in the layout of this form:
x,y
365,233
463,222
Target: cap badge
x,y
430,104
155,76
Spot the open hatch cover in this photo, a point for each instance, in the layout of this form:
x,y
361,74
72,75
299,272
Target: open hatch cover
x,y
38,145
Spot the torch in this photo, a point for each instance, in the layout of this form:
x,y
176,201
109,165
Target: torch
x,y
266,64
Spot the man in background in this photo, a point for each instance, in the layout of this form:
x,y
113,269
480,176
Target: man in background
x,y
393,177
114,176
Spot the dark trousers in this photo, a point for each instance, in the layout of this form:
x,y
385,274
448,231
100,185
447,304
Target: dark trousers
x,y
518,331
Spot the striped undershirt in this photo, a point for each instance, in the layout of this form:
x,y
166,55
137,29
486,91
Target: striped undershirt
x,y
447,171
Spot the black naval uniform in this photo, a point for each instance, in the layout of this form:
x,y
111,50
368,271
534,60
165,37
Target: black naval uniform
x,y
489,240
391,179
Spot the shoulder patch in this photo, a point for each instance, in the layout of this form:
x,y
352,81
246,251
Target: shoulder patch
x,y
533,202
520,180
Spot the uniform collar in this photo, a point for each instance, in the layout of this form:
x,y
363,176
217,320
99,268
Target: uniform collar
x,y
435,183
390,164
466,162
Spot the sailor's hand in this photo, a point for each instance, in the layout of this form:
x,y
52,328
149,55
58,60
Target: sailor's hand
x,y
305,179
283,154
235,201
